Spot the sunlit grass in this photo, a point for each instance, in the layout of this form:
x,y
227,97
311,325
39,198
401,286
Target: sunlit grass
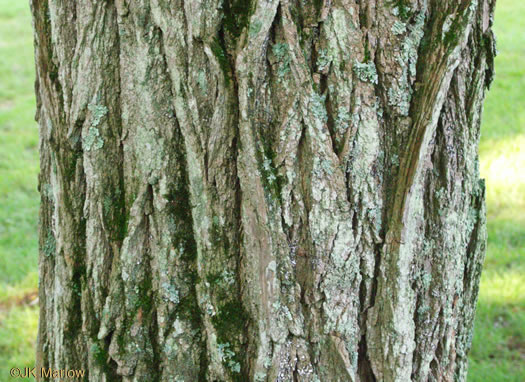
x,y
18,147
503,165
17,291
498,351
18,190
18,327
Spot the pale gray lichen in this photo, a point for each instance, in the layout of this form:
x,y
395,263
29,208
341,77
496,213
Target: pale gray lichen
x,y
366,72
378,108
447,24
228,277
201,81
210,309
267,166
428,247
323,60
234,366
399,28
326,165
343,118
441,194
170,293
400,94
99,112
426,279
318,107
92,140
410,46
400,98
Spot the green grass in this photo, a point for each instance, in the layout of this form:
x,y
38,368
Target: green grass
x,y
498,352
17,336
18,188
18,145
498,348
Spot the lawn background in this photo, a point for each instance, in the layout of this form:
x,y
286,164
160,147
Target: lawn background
x,y
498,352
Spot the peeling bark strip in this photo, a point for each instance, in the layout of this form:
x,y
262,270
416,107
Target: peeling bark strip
x,y
259,190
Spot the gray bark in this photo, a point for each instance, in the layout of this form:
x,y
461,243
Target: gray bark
x,y
264,190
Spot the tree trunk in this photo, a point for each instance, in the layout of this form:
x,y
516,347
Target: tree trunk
x,y
264,190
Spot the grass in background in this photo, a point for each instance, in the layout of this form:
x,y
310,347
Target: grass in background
x,y
18,189
498,352
498,349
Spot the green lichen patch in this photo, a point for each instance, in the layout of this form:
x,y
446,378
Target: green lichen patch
x,y
170,293
323,60
366,72
267,166
426,279
399,28
49,247
318,108
282,54
400,98
92,140
395,160
343,119
255,28
98,112
228,357
326,165
202,82
410,46
423,309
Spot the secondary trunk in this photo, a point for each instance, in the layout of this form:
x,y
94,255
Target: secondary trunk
x,y
264,190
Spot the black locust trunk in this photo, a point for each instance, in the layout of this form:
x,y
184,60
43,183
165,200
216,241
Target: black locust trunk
x,y
260,190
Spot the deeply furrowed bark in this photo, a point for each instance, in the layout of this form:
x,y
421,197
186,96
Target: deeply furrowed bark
x,y
257,190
